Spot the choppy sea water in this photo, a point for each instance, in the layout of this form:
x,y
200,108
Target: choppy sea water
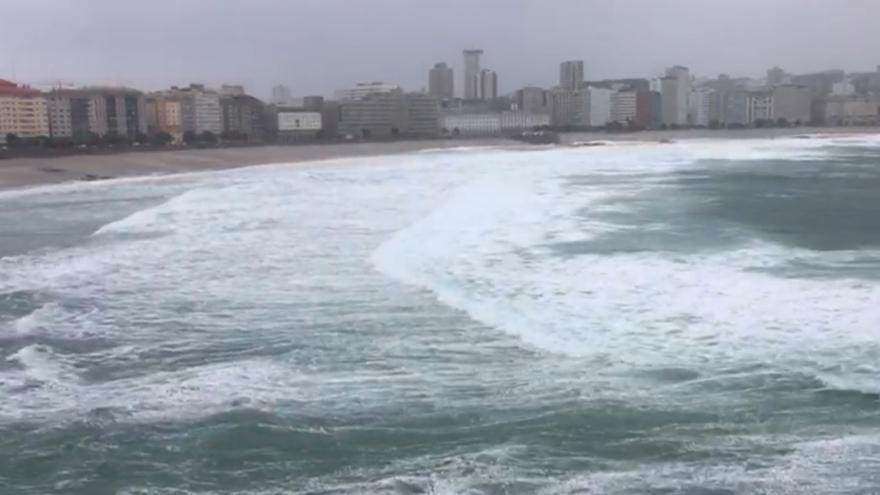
x,y
698,318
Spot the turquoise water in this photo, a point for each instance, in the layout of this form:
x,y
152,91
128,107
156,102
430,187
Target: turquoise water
x,y
698,317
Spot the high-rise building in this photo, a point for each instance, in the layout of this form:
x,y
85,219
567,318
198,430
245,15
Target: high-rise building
x,y
471,74
441,81
22,111
422,115
200,109
700,107
164,114
571,74
112,111
624,107
281,95
243,114
566,107
598,103
488,84
390,114
58,108
675,89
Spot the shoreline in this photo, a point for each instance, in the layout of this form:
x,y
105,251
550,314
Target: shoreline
x,y
23,173
26,173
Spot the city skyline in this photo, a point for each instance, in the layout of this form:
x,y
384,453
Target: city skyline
x,y
523,43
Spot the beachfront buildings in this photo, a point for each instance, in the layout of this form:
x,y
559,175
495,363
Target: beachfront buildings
x,y
624,107
200,109
675,89
566,107
514,121
488,84
390,114
792,104
533,100
441,81
165,115
471,82
243,117
851,110
22,111
571,74
58,109
598,103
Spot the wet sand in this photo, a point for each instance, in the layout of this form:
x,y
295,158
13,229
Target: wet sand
x,y
26,172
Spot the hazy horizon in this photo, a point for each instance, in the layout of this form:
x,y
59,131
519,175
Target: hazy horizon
x,y
317,46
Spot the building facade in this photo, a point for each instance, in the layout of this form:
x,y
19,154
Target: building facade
x,y
58,108
599,105
200,109
851,110
488,84
441,81
792,104
22,112
760,107
165,115
675,90
624,108
422,115
471,124
533,100
571,74
243,115
517,121
471,74
375,116
362,90
566,108
281,95
700,107
736,109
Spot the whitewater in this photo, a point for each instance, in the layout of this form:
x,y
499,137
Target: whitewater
x,y
692,317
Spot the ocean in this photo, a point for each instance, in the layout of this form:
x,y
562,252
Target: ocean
x,y
698,317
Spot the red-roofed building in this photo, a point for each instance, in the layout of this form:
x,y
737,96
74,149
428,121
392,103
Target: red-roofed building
x,y
22,111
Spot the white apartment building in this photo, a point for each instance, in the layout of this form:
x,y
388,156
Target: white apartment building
x,y
598,106
471,124
58,108
675,90
208,114
700,107
523,121
760,107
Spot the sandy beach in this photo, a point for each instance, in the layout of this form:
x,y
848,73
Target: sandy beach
x,y
27,172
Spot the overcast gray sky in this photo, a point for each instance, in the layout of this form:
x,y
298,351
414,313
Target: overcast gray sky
x,y
315,46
